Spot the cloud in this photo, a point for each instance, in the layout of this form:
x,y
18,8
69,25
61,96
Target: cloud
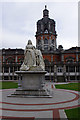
x,y
11,40
19,22
40,1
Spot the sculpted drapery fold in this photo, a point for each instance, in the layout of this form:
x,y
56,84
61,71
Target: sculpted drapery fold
x,y
33,59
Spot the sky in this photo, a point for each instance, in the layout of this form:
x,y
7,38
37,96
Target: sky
x,y
18,22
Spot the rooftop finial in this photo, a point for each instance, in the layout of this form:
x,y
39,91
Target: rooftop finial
x,y
45,12
45,6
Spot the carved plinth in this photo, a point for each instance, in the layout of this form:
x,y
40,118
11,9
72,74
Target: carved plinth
x,y
31,84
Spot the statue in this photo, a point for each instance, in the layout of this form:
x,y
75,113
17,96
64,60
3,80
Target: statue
x,y
31,75
33,60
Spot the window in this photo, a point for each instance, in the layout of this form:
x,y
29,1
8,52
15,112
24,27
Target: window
x,y
70,60
71,68
45,41
15,68
46,47
11,69
10,60
6,69
46,62
66,68
52,69
6,78
47,68
46,31
18,68
59,69
78,69
78,77
39,42
21,60
53,41
10,77
15,77
72,77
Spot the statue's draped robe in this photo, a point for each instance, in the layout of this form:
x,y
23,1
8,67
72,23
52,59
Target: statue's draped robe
x,y
30,59
39,59
33,59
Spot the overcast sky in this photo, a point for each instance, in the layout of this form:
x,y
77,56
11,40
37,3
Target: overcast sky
x,y
19,22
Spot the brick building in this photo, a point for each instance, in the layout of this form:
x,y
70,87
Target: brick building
x,y
60,64
11,62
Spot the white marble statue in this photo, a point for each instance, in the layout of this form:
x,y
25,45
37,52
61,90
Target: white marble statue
x,y
33,60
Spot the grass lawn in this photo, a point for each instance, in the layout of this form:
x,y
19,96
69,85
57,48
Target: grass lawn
x,y
69,86
8,85
73,114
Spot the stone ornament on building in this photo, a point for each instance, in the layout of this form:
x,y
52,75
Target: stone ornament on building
x,y
33,60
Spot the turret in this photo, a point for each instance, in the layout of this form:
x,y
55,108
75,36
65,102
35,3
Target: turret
x,y
46,34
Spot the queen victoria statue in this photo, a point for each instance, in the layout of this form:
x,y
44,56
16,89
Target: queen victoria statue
x,y
31,75
33,60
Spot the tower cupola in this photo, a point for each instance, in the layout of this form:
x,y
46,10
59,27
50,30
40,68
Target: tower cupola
x,y
45,12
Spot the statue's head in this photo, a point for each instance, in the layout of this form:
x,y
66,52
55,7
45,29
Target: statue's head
x,y
29,42
30,45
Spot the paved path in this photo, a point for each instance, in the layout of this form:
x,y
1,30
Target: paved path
x,y
36,108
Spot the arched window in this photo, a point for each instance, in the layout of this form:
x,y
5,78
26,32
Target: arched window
x,y
21,60
70,60
52,41
47,64
10,60
39,42
45,41
46,61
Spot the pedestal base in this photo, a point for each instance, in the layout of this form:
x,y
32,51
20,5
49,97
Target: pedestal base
x,y
31,84
30,93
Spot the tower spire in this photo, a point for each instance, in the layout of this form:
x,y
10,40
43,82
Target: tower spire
x,y
45,6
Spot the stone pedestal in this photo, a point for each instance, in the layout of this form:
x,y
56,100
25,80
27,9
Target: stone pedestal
x,y
31,84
